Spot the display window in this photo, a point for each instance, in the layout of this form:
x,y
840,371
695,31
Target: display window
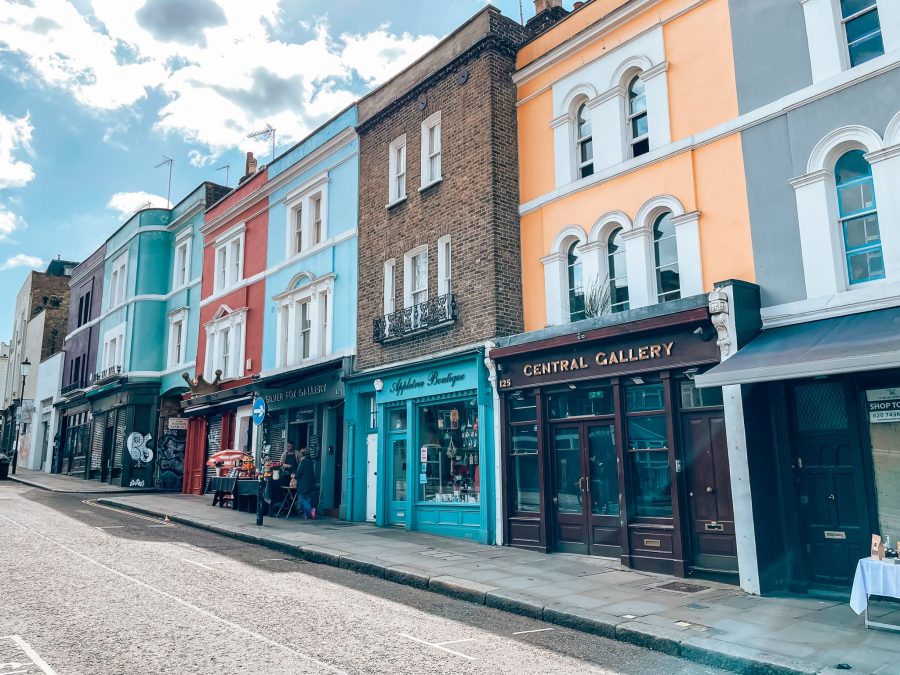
x,y
449,455
647,449
524,469
883,406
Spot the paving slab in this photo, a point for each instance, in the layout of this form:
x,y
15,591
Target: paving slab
x,y
722,626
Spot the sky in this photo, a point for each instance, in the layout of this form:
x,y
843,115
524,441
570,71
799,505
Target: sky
x,y
94,94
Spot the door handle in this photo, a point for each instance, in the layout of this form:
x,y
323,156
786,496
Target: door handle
x,y
831,497
709,490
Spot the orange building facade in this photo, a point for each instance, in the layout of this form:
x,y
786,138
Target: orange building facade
x,y
634,217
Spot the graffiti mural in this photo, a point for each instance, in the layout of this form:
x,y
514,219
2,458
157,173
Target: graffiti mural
x,y
171,459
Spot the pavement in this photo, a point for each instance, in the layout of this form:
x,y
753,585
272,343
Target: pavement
x,y
66,484
92,590
710,623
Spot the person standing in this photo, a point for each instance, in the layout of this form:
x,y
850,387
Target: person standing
x,y
306,484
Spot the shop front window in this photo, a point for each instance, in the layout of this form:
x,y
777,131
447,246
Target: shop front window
x,y
524,483
604,471
449,460
884,430
567,452
648,451
398,453
694,397
580,403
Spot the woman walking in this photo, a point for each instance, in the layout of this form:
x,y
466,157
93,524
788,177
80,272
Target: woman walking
x,y
306,484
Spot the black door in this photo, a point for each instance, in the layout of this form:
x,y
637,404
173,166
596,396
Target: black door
x,y
833,511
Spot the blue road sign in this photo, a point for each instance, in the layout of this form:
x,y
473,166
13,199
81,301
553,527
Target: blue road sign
x,y
259,410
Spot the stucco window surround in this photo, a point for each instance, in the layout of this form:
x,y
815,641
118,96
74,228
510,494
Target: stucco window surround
x,y
114,348
177,343
431,153
827,39
229,259
181,263
821,239
304,319
397,171
608,107
307,216
118,281
637,238
226,342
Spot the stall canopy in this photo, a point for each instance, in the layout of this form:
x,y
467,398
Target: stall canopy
x,y
845,344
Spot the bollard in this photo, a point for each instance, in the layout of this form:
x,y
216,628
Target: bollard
x,y
259,500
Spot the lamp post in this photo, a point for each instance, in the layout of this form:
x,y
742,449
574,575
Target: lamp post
x,y
25,365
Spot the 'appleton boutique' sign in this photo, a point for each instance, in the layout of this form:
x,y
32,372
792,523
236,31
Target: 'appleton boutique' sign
x,y
404,385
606,359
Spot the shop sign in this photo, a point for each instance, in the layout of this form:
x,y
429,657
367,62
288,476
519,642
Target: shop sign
x,y
606,359
428,382
177,424
406,384
884,405
307,392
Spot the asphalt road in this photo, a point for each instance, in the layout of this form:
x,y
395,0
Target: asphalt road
x,y
85,589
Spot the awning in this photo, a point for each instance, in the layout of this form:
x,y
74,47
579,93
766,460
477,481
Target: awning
x,y
846,344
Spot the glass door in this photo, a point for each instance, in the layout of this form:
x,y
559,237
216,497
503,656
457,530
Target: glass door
x,y
602,483
397,467
568,494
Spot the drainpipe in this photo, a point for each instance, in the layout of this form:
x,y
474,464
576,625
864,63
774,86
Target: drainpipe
x,y
495,396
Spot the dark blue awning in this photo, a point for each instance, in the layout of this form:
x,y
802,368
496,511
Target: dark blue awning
x,y
845,344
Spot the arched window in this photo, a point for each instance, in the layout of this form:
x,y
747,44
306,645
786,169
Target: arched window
x,y
858,217
618,278
665,258
575,283
584,142
638,130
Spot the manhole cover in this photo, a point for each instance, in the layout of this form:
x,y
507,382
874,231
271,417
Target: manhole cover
x,y
682,587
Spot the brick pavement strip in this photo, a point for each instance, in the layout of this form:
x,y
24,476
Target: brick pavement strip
x,y
424,567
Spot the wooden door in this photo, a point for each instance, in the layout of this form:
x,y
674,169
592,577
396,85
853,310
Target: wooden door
x,y
194,457
598,441
708,483
834,517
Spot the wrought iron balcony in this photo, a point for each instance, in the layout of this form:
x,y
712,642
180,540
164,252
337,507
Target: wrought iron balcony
x,y
108,374
74,386
425,316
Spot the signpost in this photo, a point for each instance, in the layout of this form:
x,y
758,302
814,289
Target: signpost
x,y
259,416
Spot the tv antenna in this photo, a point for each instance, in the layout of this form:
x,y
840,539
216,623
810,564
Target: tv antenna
x,y
170,162
227,167
521,13
267,134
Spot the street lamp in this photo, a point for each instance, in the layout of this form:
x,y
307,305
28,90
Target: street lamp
x,y
25,366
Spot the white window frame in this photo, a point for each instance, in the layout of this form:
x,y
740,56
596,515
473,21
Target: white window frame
x,y
118,281
445,265
182,243
397,170
114,348
300,206
317,296
234,325
390,286
428,154
177,353
229,272
408,275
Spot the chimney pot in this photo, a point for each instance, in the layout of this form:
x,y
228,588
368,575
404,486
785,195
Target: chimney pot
x,y
250,167
542,5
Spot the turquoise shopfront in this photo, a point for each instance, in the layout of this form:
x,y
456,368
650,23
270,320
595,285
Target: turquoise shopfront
x,y
421,447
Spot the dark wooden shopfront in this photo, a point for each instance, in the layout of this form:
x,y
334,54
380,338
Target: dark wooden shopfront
x,y
609,449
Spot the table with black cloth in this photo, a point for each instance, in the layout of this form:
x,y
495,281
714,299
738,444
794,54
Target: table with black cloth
x,y
243,491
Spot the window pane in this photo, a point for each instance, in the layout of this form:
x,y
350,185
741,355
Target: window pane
x,y
666,251
851,7
398,419
639,126
862,26
637,101
398,455
525,493
861,232
857,196
449,461
586,170
820,406
850,166
866,49
604,471
668,281
644,397
865,266
647,432
640,148
580,403
523,410
587,150
650,484
693,397
567,454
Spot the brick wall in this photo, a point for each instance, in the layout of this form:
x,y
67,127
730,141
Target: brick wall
x,y
476,202
50,294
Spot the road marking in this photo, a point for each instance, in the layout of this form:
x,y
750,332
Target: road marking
x,y
436,646
109,527
30,653
453,642
536,630
163,525
174,598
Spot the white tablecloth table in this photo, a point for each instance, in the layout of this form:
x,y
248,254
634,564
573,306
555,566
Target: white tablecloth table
x,y
874,577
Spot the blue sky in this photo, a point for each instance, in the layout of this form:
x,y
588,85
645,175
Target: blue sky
x,y
93,94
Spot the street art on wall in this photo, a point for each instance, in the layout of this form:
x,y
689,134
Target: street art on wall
x,y
139,447
171,459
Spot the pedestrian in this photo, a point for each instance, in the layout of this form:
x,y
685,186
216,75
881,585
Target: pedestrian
x,y
306,484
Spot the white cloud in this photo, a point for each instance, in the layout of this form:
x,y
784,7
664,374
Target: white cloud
x,y
126,203
9,222
15,136
22,260
225,74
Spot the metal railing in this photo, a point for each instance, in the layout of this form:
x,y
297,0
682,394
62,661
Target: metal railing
x,y
108,373
425,316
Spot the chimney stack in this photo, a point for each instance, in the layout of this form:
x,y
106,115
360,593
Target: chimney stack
x,y
547,13
543,5
250,166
